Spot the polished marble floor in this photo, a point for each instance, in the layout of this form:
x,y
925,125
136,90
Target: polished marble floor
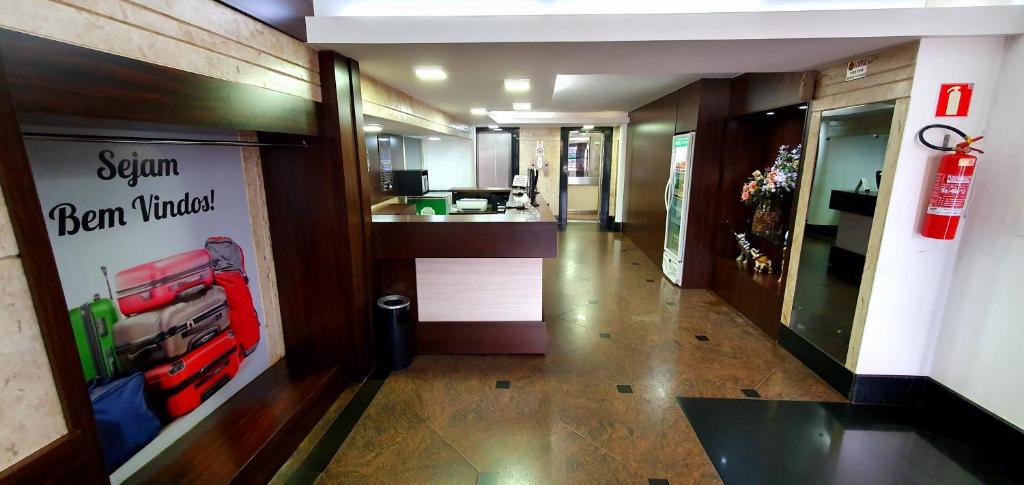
x,y
600,407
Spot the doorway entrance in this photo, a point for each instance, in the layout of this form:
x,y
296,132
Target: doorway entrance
x,y
586,157
851,152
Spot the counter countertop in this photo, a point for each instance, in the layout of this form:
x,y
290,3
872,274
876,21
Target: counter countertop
x,y
514,234
542,214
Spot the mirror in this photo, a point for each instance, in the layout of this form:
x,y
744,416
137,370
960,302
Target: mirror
x,y
585,154
851,151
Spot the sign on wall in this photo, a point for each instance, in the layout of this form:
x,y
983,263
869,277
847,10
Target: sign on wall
x,y
153,245
954,99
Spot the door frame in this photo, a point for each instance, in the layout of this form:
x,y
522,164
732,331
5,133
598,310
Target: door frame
x,y
604,222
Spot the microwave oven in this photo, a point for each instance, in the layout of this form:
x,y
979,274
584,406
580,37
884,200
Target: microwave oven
x,y
411,182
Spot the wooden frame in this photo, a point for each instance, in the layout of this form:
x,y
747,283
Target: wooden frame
x,y
889,79
248,437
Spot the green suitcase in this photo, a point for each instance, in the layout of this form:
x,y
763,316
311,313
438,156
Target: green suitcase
x,y
93,327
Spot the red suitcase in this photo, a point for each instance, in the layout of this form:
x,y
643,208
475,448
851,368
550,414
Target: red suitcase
x,y
186,383
229,264
155,284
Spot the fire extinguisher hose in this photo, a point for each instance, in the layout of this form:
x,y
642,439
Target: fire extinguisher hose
x,y
962,147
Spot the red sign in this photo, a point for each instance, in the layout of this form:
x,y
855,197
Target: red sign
x,y
954,99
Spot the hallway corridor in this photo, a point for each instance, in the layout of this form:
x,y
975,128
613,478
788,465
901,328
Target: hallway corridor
x,y
599,408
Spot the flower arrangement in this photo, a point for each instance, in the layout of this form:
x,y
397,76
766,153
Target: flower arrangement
x,y
778,180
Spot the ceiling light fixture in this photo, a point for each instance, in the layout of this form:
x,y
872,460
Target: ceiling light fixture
x,y
373,128
494,128
803,106
434,138
430,73
517,85
478,111
522,106
770,113
588,127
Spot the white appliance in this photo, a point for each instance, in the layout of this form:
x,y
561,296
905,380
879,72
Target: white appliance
x,y
677,205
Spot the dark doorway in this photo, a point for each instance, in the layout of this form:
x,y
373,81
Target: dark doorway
x,y
585,162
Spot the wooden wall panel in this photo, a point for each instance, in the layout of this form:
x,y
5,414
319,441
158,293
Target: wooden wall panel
x,y
52,78
702,221
759,91
198,36
651,129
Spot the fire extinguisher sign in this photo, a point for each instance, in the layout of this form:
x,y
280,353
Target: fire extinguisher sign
x,y
954,99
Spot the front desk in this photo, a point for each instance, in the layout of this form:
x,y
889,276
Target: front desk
x,y
476,280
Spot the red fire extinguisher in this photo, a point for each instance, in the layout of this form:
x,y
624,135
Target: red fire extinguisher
x,y
952,185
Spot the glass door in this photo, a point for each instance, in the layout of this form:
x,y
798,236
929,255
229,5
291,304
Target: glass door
x,y
675,196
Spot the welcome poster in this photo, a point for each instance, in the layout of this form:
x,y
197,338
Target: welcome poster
x,y
129,225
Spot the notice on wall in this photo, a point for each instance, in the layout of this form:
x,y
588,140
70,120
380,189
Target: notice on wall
x,y
153,245
857,69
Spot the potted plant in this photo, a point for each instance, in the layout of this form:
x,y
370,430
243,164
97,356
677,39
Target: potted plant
x,y
765,191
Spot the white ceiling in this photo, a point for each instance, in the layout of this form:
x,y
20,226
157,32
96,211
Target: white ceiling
x,y
606,76
613,61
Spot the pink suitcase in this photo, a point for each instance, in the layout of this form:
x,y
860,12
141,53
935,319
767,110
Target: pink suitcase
x,y
156,284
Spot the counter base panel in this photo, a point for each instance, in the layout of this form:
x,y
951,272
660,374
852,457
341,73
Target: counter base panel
x,y
481,338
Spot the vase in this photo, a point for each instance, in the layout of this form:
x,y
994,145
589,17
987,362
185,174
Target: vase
x,y
767,218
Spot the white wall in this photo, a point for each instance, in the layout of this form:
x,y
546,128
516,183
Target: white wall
x,y
449,163
912,274
978,349
845,160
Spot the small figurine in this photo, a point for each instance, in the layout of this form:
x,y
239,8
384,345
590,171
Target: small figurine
x,y
741,240
761,262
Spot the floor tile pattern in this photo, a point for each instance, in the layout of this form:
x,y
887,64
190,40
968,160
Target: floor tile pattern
x,y
563,421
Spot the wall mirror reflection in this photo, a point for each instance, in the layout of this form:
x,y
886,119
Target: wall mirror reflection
x,y
585,153
851,152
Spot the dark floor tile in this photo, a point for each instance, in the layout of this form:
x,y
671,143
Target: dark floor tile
x,y
657,481
636,263
751,393
605,335
837,443
702,338
624,388
503,385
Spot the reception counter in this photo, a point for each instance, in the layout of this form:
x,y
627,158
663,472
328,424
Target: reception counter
x,y
476,280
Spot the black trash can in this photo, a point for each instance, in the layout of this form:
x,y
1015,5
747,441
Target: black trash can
x,y
395,331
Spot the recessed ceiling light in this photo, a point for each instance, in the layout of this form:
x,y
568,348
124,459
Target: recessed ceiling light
x,y
434,138
770,113
495,127
478,111
522,106
588,127
803,106
372,128
517,85
430,73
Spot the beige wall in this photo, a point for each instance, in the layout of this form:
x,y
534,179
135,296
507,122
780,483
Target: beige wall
x,y
614,180
584,198
199,36
384,101
30,412
889,78
550,138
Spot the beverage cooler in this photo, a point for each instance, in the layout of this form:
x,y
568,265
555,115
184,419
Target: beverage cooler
x,y
677,203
